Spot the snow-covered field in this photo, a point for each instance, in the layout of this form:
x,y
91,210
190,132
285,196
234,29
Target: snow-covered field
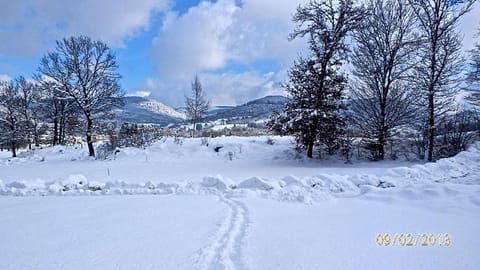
x,y
251,205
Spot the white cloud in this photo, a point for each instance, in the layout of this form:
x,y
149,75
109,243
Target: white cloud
x,y
168,92
212,35
261,29
27,27
221,89
139,94
5,77
233,89
195,41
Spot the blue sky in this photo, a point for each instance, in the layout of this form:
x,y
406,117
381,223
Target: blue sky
x,y
238,48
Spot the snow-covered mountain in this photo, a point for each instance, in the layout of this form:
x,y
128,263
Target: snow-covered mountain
x,y
160,108
257,109
148,111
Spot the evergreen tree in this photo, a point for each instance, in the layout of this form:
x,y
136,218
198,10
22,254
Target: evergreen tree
x,y
314,115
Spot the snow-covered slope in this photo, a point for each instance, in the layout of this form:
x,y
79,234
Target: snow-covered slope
x,y
254,110
148,111
160,108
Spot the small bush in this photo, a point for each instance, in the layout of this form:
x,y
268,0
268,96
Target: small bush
x,y
270,141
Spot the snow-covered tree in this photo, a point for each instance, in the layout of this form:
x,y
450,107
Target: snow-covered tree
x,y
196,104
316,85
12,131
29,107
314,114
85,71
438,70
473,77
56,108
19,113
381,99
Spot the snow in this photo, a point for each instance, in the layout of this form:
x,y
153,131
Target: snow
x,y
106,232
239,158
255,183
158,107
249,205
219,126
341,235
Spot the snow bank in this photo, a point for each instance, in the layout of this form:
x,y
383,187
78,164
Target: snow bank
x,y
214,182
461,169
79,185
255,183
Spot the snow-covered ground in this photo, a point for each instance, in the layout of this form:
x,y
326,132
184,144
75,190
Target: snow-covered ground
x,y
251,205
239,158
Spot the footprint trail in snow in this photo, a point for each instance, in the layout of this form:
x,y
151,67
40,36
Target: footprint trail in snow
x,y
226,250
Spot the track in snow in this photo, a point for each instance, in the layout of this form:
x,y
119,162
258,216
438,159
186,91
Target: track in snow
x,y
226,250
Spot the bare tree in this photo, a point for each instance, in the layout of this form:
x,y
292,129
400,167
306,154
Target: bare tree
x,y
11,116
458,131
381,99
473,77
85,71
56,108
29,100
440,61
196,104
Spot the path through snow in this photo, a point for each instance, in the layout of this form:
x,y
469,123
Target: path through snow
x,y
226,250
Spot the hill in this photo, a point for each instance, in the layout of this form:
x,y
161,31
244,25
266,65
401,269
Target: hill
x,y
257,109
148,111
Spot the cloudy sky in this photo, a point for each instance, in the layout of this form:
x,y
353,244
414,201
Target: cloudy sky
x,y
238,48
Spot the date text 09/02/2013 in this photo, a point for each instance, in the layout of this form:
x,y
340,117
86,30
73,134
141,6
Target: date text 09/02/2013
x,y
413,240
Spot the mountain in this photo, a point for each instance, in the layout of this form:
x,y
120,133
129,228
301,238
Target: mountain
x,y
273,100
257,109
219,109
143,110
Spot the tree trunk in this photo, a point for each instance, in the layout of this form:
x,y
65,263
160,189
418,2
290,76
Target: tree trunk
x,y
55,132
14,149
431,126
310,150
61,131
381,143
91,150
36,137
431,101
381,149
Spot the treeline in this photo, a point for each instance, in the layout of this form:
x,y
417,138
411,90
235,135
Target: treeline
x,y
406,68
75,89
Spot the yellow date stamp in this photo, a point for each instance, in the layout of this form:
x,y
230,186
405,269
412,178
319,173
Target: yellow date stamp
x,y
413,240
